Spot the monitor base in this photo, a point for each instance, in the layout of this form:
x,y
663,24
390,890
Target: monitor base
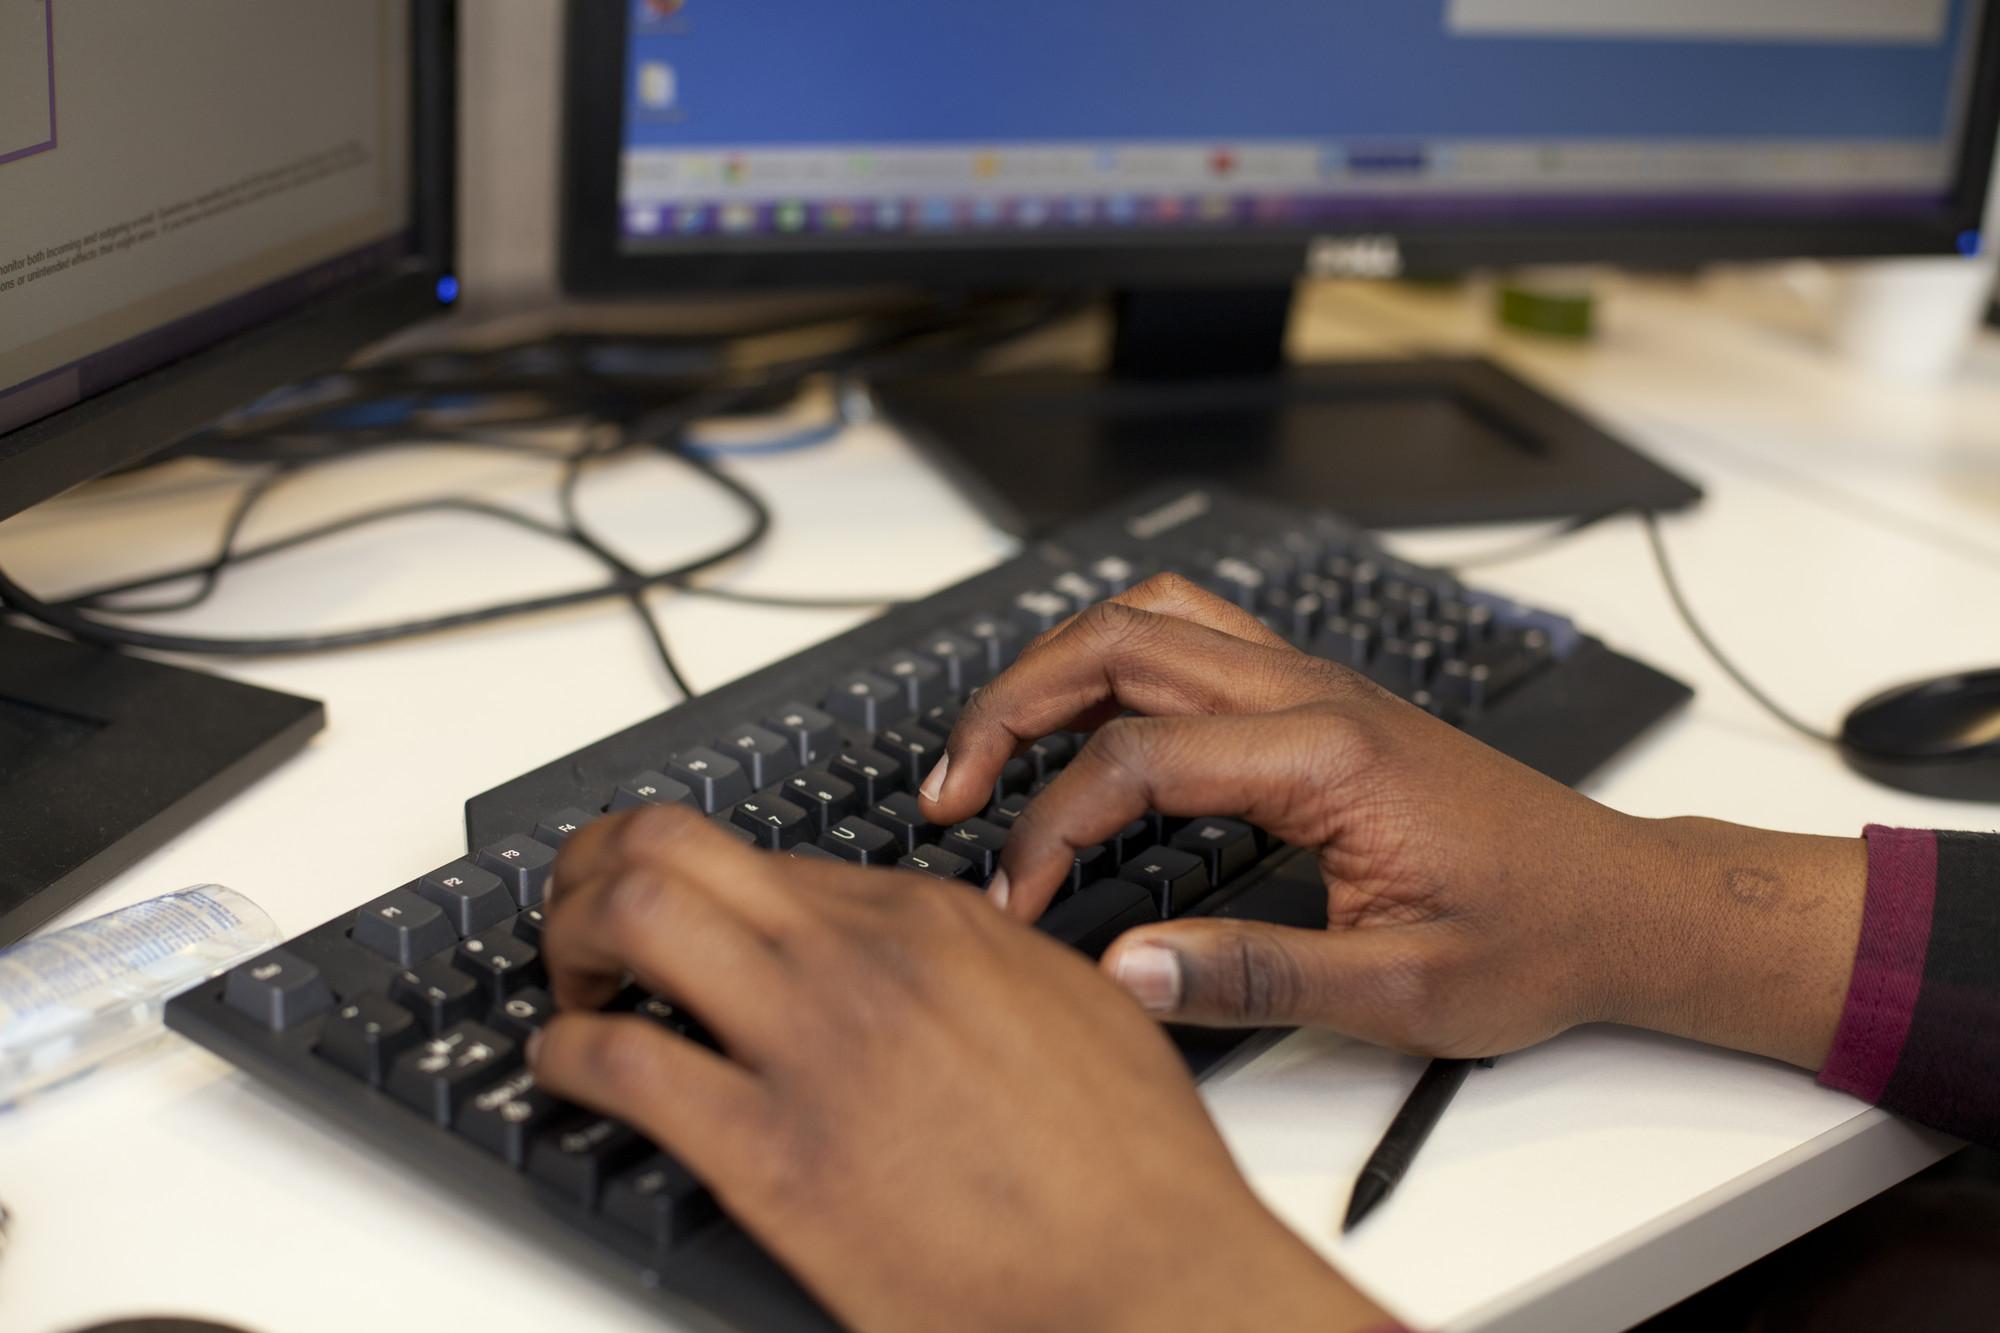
x,y
1390,444
104,757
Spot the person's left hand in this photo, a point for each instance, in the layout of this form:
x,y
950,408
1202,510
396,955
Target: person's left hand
x,y
933,1115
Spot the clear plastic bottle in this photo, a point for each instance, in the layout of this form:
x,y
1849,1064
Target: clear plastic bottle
x,y
75,998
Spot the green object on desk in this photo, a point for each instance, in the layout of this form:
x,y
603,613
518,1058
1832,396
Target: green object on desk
x,y
1559,314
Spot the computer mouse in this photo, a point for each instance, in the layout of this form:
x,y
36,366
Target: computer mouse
x,y
1938,737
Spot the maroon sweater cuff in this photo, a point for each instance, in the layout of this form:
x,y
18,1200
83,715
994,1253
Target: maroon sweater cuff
x,y
1920,1032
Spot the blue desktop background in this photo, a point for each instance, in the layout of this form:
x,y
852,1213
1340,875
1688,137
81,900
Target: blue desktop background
x,y
752,72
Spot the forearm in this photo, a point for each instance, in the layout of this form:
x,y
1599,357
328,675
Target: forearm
x,y
1735,936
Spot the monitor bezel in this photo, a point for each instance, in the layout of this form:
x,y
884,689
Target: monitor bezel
x,y
123,424
593,265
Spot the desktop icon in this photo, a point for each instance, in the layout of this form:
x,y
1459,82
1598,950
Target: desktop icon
x,y
1122,209
656,85
985,212
1168,208
986,165
836,216
1216,208
1222,162
691,219
789,215
739,217
643,220
937,213
1031,213
1080,211
734,169
888,214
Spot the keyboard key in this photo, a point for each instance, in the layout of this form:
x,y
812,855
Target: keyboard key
x,y
963,660
1226,846
1089,865
500,961
1175,878
555,829
735,830
918,748
1000,637
650,788
930,859
1131,840
438,994
871,773
1016,776
811,851
1117,573
277,990
940,718
1406,663
471,899
661,1200
855,839
898,813
1039,610
528,925
578,1157
1348,642
921,677
867,700
438,1075
813,733
1237,580
777,824
1048,755
522,864
979,842
365,1036
505,1118
522,1013
765,754
1080,591
403,927
1099,914
717,781
1006,810
822,795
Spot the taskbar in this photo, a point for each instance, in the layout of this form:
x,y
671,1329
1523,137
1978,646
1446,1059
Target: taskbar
x,y
650,225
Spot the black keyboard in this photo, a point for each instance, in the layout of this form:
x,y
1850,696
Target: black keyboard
x,y
403,1021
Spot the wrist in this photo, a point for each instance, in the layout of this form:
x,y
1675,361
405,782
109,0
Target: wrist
x,y
1734,936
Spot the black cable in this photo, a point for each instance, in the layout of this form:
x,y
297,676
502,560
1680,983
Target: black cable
x,y
210,573
898,349
1708,645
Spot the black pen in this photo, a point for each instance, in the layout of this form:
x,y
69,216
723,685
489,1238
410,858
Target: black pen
x,y
1407,1132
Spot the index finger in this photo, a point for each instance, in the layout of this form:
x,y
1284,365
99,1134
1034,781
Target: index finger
x,y
1117,655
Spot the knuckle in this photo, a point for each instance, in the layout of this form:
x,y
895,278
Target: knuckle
x,y
1260,979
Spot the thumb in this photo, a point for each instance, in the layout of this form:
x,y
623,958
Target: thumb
x,y
1227,973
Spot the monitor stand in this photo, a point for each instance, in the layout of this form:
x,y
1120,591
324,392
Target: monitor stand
x,y
103,757
1198,387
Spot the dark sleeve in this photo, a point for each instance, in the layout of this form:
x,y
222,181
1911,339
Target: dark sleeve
x,y
1920,1033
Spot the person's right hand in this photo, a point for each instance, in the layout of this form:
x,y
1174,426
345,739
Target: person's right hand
x,y
1474,906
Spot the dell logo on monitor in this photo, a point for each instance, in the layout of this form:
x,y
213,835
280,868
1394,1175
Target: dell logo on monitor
x,y
1372,256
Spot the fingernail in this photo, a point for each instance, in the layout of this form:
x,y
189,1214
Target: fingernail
x,y
1153,976
934,784
534,1047
999,890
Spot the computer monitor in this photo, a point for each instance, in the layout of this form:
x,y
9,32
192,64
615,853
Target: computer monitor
x,y
199,202
1197,158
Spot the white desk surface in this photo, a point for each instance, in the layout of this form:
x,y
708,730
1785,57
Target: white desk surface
x,y
1850,539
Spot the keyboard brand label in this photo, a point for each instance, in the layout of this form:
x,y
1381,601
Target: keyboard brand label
x,y
1169,516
